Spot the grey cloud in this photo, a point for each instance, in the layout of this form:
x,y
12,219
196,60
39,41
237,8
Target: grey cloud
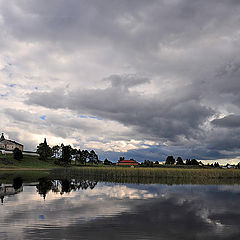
x,y
18,115
56,124
230,121
127,81
137,23
153,116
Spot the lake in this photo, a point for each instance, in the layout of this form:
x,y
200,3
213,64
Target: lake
x,y
84,209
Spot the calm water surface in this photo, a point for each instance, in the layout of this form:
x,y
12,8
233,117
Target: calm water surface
x,y
91,210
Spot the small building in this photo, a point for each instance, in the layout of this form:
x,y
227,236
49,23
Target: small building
x,y
130,162
9,144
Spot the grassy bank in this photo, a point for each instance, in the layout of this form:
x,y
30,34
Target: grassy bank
x,y
168,175
31,162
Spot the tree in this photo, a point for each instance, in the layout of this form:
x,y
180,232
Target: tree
x,y
93,157
17,154
238,165
179,161
66,155
201,164
107,162
84,156
80,157
44,150
75,155
195,162
188,162
170,160
192,162
216,165
148,163
157,162
55,150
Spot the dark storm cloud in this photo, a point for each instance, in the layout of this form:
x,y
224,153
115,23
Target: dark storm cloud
x,y
231,121
133,25
153,116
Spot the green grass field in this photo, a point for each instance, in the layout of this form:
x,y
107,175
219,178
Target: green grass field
x,y
7,161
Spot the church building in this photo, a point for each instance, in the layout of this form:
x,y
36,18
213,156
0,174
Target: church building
x,y
9,144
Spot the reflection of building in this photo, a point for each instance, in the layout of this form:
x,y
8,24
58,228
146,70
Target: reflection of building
x,y
130,162
8,191
9,144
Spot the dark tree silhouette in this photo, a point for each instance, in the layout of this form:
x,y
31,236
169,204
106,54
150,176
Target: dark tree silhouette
x,y
107,162
195,162
85,156
147,163
179,161
44,150
66,155
66,186
93,157
17,182
216,165
55,150
170,160
44,186
192,162
17,154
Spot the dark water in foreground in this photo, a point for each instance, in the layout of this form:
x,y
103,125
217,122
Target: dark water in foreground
x,y
91,210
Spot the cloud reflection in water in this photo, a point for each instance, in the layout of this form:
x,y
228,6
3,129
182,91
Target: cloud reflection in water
x,y
124,211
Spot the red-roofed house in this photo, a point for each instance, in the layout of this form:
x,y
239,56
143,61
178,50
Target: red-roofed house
x,y
130,162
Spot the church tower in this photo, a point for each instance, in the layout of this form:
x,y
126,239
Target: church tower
x,y
2,137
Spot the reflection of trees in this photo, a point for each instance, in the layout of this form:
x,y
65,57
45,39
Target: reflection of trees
x,y
17,183
63,185
44,186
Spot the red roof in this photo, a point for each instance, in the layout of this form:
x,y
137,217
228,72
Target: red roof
x,y
126,161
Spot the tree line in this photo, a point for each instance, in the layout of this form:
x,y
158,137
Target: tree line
x,y
170,160
64,154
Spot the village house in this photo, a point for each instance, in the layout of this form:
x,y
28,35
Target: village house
x,y
9,145
130,162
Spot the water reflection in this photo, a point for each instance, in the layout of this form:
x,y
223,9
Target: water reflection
x,y
11,189
83,209
63,186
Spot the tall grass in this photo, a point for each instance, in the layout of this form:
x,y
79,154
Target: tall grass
x,y
152,175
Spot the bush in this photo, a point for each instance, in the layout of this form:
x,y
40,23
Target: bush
x,y
17,154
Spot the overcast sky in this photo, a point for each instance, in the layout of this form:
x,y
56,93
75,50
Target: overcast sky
x,y
134,78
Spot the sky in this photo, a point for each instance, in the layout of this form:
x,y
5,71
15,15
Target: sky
x,y
142,79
